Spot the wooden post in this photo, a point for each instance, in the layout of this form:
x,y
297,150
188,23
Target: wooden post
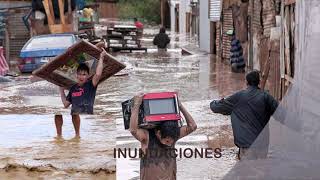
x,y
213,38
177,18
265,73
162,12
49,11
70,14
187,22
61,10
7,45
250,34
287,28
69,7
57,28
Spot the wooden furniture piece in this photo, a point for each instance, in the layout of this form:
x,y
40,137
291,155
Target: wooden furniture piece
x,y
124,38
50,71
58,28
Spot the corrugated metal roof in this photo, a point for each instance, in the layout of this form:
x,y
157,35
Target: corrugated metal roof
x,y
227,24
18,33
214,10
13,4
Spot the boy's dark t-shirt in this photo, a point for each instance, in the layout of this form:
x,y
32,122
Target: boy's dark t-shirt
x,y
82,98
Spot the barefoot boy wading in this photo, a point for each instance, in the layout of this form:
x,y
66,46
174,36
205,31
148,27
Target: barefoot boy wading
x,y
81,95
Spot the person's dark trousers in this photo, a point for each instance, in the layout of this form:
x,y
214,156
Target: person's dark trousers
x,y
252,153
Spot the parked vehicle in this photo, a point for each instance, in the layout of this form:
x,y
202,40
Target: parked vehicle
x,y
40,49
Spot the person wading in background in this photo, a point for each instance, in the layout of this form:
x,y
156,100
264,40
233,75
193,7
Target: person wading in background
x,y
161,40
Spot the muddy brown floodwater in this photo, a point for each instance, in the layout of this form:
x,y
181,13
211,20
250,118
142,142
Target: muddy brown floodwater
x,y
28,147
29,150
198,79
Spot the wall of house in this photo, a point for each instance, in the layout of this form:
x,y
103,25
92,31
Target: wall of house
x,y
183,8
204,39
11,4
17,33
172,15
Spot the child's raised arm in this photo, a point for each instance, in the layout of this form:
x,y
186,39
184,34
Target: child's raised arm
x,y
97,76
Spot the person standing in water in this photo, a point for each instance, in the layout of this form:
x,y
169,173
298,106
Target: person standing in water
x,y
139,27
81,95
250,111
162,140
161,40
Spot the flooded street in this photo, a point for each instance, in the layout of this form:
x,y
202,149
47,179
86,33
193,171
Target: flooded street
x,y
198,79
27,144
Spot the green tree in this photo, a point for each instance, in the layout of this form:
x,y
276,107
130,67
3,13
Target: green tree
x,y
148,10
